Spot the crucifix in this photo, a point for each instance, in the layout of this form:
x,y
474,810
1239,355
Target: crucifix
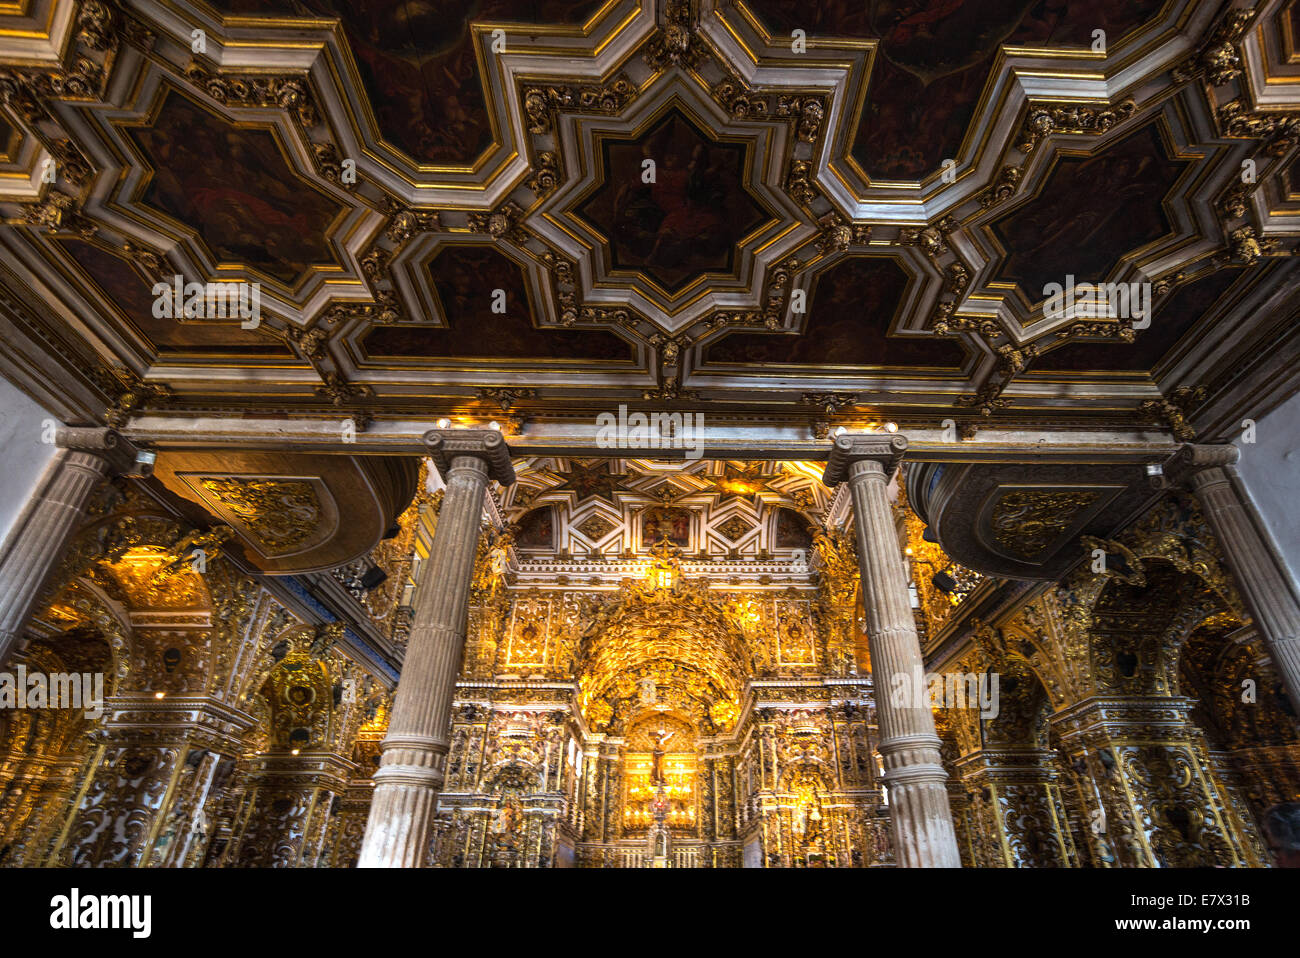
x,y
657,773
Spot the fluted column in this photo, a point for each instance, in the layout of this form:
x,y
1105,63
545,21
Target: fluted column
x,y
918,798
1250,552
85,458
415,749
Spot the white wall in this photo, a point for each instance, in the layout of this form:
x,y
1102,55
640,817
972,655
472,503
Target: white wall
x,y
1270,469
23,457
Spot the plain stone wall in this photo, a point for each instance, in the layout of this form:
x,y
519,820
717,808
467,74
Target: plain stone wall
x,y
23,457
1270,469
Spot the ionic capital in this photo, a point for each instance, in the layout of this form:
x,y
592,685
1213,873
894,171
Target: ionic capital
x,y
1194,458
849,449
445,445
107,444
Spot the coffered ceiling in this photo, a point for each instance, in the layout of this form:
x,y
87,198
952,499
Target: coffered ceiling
x,y
853,213
595,521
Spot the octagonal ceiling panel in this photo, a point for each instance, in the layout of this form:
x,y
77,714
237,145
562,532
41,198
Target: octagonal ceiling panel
x,y
1092,210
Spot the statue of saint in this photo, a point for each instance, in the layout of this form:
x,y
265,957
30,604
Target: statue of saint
x,y
657,771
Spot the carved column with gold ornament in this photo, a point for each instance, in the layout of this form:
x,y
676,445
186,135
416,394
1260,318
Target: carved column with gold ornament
x,y
415,749
37,542
1251,554
918,797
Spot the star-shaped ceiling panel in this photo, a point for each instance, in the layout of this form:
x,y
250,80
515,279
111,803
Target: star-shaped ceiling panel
x,y
672,204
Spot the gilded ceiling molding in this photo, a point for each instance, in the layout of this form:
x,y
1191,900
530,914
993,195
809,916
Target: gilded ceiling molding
x,y
1174,410
134,395
677,42
1278,131
1044,119
288,93
1218,60
831,403
544,104
100,29
505,398
59,213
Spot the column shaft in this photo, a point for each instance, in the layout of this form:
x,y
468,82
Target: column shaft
x,y
45,527
918,798
415,749
1252,557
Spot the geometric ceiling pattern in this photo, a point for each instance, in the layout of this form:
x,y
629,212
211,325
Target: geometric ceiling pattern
x,y
773,211
596,520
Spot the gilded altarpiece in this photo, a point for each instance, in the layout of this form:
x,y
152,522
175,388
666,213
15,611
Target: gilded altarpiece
x,y
226,725
588,720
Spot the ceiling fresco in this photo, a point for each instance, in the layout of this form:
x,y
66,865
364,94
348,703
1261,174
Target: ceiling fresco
x,y
448,213
686,223
419,64
933,61
1091,209
233,188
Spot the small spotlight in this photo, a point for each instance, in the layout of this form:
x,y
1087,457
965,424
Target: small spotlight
x,y
444,423
1155,469
907,551
145,459
293,752
494,425
160,695
891,427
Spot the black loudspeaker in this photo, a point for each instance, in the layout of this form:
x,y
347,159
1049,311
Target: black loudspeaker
x,y
373,577
928,535
393,531
943,582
